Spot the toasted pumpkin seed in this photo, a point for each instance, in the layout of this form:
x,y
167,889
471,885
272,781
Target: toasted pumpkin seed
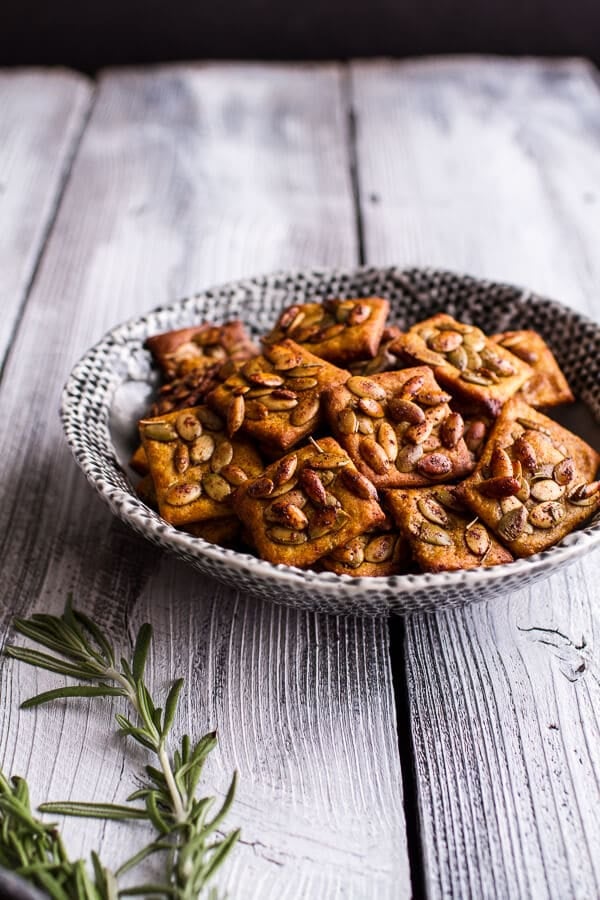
x,y
370,407
445,341
584,494
358,484
216,487
301,384
210,419
202,449
365,425
364,387
474,340
402,410
476,378
351,554
434,534
308,370
347,421
222,456
322,522
181,458
501,464
408,458
313,486
434,465
431,510
182,494
448,498
459,358
477,539
533,426
512,523
281,535
386,436
380,548
452,430
546,515
374,455
307,409
188,426
266,379
279,404
328,461
546,489
160,431
418,434
262,487
564,471
284,488
235,475
285,469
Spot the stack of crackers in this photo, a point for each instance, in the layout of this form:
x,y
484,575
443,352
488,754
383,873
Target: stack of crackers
x,y
347,445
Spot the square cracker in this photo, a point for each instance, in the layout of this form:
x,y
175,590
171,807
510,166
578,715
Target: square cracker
x,y
307,504
340,331
476,370
534,482
441,531
547,386
199,347
398,429
276,397
194,466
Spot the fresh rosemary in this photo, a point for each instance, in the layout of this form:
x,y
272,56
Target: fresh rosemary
x,y
184,830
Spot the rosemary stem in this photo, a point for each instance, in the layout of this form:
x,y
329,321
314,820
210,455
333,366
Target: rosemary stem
x,y
178,808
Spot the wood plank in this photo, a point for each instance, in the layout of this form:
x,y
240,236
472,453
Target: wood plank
x,y
492,167
188,175
42,113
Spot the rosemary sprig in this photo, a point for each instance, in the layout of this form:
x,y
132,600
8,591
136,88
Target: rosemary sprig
x,y
186,832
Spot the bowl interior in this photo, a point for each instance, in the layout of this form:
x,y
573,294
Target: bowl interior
x,y
111,386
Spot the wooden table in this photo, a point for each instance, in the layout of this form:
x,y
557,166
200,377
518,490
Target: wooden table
x,y
457,753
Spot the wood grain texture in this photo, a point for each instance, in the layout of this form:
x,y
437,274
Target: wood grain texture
x,y
185,176
41,117
492,168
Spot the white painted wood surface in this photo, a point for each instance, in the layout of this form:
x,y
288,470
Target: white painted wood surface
x,y
187,176
493,167
42,114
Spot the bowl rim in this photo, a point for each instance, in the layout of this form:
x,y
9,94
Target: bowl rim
x,y
131,509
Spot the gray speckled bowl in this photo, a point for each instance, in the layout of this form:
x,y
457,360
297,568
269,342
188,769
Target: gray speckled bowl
x,y
109,388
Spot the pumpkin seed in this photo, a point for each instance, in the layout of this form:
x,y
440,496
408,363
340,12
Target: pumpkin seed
x,y
351,554
459,358
256,411
283,356
380,548
364,387
452,430
281,535
236,413
222,456
434,534
412,386
370,407
209,419
365,425
287,514
181,458
405,411
347,421
307,409
313,486
262,487
287,316
418,434
510,502
216,487
182,494
308,370
360,314
284,488
501,464
497,364
358,484
235,475
408,458
524,491
448,498
512,523
386,437
328,461
160,431
476,378
431,510
474,340
477,539
322,522
202,449
525,452
285,469
501,486
546,489
188,426
445,341
279,404
547,515
434,465
584,494
564,471
374,455
301,384
266,379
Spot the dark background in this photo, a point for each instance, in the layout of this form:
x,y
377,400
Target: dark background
x,y
89,35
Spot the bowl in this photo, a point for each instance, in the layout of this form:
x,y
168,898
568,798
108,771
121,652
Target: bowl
x,y
110,387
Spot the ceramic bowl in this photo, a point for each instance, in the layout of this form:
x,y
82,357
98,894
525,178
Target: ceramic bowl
x,y
110,387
